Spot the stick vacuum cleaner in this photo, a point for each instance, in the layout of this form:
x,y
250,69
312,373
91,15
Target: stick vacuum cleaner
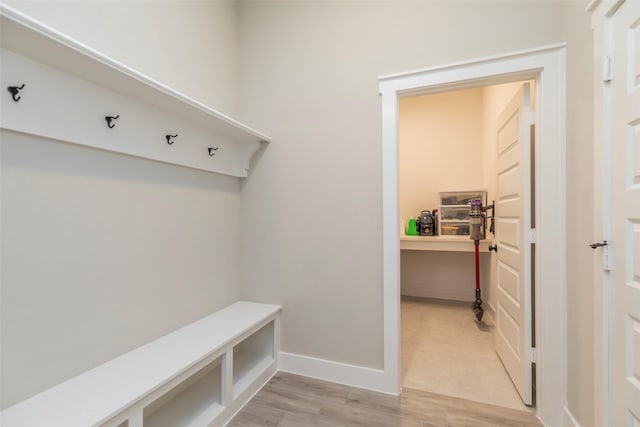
x,y
477,232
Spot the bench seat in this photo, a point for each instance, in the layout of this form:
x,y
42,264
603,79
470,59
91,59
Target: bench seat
x,y
117,391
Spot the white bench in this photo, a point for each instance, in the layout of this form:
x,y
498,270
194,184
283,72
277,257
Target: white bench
x,y
199,375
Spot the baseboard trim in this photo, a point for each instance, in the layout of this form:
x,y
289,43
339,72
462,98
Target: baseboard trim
x,y
336,372
569,419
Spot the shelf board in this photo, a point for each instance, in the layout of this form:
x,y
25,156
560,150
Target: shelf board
x,y
441,243
32,39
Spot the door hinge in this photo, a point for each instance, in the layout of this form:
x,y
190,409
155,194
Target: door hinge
x,y
532,236
532,355
606,68
606,258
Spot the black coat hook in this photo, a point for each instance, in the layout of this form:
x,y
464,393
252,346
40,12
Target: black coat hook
x,y
212,151
14,91
170,138
111,118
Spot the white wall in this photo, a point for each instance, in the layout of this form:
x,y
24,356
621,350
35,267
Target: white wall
x,y
441,149
309,76
190,46
103,252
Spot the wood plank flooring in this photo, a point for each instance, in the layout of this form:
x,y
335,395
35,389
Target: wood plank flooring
x,y
293,401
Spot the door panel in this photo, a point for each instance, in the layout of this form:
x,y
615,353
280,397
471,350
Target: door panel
x,y
508,182
625,243
509,281
513,311
510,234
508,131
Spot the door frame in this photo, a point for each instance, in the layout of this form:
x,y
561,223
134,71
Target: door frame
x,y
547,65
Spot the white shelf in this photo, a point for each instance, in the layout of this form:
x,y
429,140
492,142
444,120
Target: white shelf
x,y
44,55
441,243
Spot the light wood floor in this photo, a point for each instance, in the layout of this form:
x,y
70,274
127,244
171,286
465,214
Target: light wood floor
x,y
294,401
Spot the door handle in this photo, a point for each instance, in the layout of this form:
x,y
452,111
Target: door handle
x,y
598,244
493,248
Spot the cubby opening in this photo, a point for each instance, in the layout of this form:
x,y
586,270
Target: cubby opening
x,y
196,398
252,357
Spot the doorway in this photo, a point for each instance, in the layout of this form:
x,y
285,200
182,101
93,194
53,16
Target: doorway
x,y
547,67
448,151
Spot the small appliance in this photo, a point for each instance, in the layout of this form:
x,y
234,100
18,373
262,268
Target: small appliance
x,y
426,224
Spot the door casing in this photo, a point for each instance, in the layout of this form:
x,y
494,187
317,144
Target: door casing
x,y
547,66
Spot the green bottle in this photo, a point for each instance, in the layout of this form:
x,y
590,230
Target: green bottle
x,y
411,227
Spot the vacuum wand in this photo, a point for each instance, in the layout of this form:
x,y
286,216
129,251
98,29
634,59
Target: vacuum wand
x,y
477,232
477,304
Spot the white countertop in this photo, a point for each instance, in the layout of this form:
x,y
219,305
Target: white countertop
x,y
441,243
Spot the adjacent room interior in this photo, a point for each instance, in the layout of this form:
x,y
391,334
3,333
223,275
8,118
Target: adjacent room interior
x,y
448,150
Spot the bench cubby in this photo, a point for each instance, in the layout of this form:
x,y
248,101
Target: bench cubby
x,y
197,397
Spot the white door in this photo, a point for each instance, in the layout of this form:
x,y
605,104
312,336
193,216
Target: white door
x,y
624,278
513,234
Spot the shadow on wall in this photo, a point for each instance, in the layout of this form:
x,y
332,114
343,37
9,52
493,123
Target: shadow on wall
x,y
63,158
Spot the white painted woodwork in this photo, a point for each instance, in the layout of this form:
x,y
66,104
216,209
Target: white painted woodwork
x,y
329,370
547,66
602,211
616,29
625,211
70,88
441,243
512,211
136,419
180,379
198,397
251,357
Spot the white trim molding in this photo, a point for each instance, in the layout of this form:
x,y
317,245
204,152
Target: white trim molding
x,y
569,419
341,373
49,63
547,66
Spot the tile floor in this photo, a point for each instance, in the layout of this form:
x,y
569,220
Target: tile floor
x,y
445,351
